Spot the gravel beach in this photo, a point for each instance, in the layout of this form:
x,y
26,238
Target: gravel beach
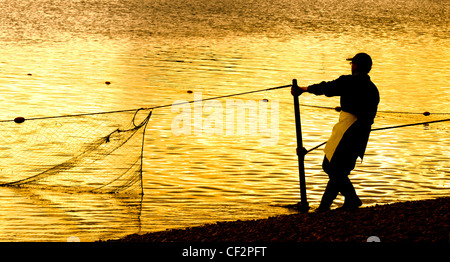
x,y
412,221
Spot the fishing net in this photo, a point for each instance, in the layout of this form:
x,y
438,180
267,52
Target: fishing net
x,y
431,121
103,152
397,119
99,152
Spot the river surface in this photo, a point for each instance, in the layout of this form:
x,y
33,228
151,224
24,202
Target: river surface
x,y
56,56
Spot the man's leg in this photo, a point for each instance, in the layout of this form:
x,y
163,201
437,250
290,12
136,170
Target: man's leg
x,y
343,163
332,189
348,191
329,195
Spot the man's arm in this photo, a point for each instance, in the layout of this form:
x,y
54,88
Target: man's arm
x,y
299,90
331,88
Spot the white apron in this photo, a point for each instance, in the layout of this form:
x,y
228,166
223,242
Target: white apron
x,y
345,121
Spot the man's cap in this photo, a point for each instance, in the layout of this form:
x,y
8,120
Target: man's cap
x,y
362,60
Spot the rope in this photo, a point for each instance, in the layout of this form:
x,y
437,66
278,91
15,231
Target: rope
x,y
314,148
386,128
246,93
338,109
414,124
219,97
151,108
83,114
426,113
212,98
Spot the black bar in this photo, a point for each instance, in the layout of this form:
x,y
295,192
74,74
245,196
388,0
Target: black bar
x,y
304,206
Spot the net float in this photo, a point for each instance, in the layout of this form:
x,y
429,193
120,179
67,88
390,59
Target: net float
x,y
19,120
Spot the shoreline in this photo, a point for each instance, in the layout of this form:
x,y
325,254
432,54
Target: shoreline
x,y
411,221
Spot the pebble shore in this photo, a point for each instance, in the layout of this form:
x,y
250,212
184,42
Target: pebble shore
x,y
412,221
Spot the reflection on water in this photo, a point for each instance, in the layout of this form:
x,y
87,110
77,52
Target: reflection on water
x,y
56,56
35,215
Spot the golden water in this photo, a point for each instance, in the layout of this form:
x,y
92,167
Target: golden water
x,y
153,52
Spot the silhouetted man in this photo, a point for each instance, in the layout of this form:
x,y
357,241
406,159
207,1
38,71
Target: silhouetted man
x,y
348,141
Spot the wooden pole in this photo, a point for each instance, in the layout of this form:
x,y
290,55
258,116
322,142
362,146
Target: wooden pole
x,y
303,206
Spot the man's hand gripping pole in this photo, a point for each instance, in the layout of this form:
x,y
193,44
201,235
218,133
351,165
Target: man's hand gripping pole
x,y
303,205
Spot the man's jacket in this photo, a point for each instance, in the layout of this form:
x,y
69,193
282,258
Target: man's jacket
x,y
359,97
